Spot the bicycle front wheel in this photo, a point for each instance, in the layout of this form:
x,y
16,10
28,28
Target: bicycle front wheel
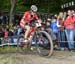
x,y
44,44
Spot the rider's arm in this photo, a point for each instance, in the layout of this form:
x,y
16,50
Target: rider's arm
x,y
27,17
36,17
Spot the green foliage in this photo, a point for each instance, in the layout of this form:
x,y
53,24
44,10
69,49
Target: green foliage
x,y
43,5
4,5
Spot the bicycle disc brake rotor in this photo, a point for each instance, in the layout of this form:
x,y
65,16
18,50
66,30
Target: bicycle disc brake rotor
x,y
43,41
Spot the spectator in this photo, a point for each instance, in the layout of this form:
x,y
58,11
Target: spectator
x,y
73,12
19,30
4,19
54,26
49,30
11,33
55,29
60,25
1,32
15,29
1,18
70,29
6,33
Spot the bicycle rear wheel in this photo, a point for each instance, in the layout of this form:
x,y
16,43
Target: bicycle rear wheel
x,y
44,44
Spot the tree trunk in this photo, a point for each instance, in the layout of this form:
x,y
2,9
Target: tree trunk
x,y
12,11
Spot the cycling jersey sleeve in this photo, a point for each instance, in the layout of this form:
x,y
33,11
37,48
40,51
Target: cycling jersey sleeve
x,y
36,17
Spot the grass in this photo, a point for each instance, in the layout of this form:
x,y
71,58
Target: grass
x,y
8,49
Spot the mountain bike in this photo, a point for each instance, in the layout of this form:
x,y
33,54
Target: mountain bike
x,y
43,44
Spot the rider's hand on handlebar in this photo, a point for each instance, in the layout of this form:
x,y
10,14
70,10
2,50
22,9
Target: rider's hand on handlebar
x,y
39,21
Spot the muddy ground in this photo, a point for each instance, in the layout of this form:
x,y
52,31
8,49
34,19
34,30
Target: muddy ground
x,y
58,57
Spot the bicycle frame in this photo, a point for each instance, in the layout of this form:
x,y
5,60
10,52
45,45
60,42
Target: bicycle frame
x,y
32,31
34,28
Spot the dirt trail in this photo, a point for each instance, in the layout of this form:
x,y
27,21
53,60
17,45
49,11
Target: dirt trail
x,y
59,57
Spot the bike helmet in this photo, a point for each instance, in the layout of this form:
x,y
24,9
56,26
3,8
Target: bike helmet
x,y
34,8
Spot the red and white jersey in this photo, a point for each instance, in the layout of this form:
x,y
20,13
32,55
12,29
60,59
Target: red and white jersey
x,y
27,18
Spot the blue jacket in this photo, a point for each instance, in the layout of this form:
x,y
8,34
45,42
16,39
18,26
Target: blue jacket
x,y
54,27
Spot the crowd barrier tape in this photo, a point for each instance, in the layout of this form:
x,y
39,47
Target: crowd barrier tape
x,y
11,41
8,41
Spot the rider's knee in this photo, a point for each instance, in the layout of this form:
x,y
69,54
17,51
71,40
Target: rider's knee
x,y
28,28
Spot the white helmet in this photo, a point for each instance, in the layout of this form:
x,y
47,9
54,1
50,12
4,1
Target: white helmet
x,y
34,8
